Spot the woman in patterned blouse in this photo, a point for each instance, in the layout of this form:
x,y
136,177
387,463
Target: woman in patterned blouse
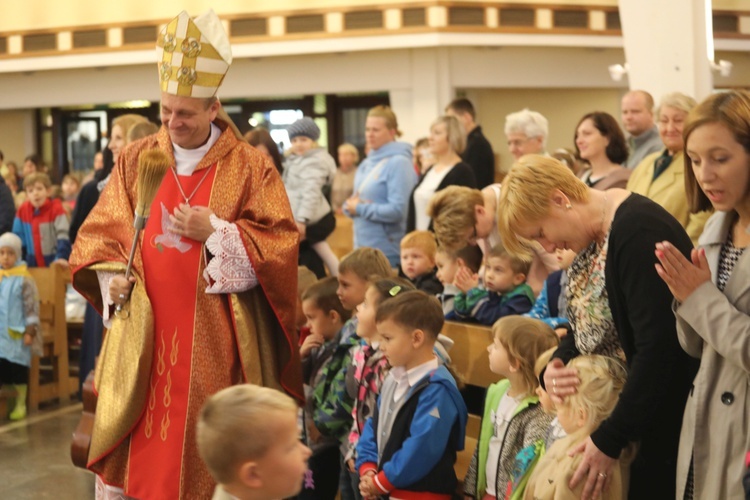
x,y
712,303
617,306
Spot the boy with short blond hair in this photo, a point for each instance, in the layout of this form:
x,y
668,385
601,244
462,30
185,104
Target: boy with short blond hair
x,y
418,250
325,355
408,448
356,270
248,438
42,224
504,293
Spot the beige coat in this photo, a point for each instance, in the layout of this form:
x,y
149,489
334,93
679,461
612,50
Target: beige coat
x,y
668,190
715,327
550,478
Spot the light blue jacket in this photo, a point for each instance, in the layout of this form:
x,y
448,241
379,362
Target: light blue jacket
x,y
14,319
384,182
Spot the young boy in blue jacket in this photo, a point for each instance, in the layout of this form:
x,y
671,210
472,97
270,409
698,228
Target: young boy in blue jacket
x,y
408,448
504,293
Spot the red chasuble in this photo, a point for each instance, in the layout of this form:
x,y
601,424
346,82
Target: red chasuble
x,y
172,264
180,345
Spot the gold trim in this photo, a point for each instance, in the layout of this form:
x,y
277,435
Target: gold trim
x,y
167,390
165,423
175,349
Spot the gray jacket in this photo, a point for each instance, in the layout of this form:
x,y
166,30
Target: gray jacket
x,y
715,327
642,146
304,177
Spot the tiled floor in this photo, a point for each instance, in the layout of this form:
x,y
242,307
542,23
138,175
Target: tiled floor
x,y
35,458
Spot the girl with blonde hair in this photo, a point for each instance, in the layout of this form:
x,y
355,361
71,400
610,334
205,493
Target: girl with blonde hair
x,y
602,379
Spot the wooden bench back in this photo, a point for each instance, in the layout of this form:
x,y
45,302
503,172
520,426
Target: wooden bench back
x,y
50,281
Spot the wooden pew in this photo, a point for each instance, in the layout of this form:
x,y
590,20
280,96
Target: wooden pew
x,y
470,359
51,284
342,238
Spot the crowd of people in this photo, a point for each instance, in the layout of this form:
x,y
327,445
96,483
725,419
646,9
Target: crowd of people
x,y
612,276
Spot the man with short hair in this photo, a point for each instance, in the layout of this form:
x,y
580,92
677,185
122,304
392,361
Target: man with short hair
x,y
478,153
526,132
212,299
638,120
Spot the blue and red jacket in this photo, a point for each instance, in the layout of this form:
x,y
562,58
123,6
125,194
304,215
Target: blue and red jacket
x,y
43,232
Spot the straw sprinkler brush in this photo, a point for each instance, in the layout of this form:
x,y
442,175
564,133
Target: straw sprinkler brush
x,y
152,167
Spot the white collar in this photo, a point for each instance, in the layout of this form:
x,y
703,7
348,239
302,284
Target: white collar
x,y
415,374
188,159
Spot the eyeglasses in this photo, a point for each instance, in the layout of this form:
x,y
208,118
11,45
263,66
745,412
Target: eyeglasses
x,y
515,143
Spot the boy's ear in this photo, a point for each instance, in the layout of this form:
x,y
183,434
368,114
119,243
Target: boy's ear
x,y
519,278
418,337
249,475
333,315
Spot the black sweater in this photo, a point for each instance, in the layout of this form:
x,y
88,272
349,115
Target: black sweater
x,y
460,175
479,155
660,372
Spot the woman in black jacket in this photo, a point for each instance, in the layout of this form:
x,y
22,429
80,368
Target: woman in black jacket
x,y
447,142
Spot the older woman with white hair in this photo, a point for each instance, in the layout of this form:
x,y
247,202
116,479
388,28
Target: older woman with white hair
x,y
447,142
661,176
527,133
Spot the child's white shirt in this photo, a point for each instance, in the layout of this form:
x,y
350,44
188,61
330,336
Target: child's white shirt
x,y
407,379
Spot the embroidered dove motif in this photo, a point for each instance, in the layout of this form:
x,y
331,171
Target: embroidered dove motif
x,y
168,239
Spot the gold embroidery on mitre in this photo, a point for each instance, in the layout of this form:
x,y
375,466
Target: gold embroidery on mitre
x,y
165,422
169,43
165,71
194,55
191,47
187,76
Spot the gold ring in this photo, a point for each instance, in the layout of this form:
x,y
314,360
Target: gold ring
x,y
602,475
554,382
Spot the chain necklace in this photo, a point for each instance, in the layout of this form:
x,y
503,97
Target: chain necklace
x,y
179,186
605,229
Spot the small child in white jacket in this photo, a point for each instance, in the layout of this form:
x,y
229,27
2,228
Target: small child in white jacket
x,y
307,170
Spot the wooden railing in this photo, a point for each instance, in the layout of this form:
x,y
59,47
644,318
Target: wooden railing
x,y
469,358
360,20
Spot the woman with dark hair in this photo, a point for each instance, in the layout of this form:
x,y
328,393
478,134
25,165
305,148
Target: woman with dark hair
x,y
261,140
600,143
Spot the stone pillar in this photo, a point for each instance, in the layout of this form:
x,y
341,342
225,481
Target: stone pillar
x,y
417,107
665,46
